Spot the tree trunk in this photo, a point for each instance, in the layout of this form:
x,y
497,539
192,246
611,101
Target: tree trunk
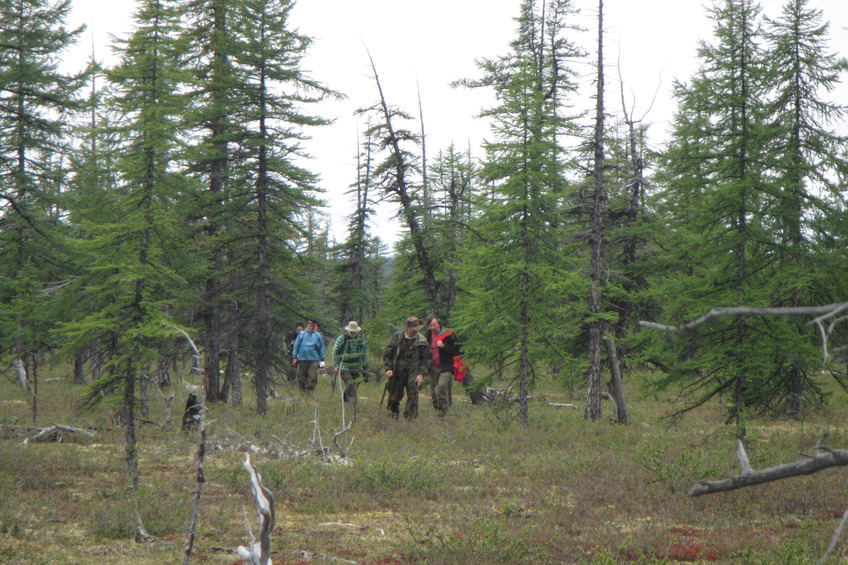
x,y
212,349
20,370
622,416
128,417
34,388
231,375
593,400
263,310
79,369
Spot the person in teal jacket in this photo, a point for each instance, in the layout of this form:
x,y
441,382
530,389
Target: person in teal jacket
x,y
350,356
308,356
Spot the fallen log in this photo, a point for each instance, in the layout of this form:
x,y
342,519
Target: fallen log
x,y
55,433
824,458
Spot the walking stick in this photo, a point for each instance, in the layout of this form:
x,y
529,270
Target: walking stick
x,y
382,398
333,390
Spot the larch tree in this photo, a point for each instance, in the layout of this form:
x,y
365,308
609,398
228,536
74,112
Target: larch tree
x,y
514,273
808,161
37,101
715,174
356,269
597,227
273,191
210,44
130,259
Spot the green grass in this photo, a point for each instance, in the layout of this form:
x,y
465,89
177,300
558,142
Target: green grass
x,y
475,487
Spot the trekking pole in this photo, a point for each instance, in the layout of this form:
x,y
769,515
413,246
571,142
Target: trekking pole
x,y
385,388
333,389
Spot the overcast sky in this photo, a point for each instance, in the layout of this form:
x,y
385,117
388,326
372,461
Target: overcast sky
x,y
424,45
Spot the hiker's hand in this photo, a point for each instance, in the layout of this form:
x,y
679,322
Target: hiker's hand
x,y
322,364
420,380
294,361
389,374
440,343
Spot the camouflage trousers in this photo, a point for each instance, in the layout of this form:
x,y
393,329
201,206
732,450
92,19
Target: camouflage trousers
x,y
396,387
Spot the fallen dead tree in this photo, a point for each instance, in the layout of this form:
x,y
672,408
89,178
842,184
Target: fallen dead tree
x,y
823,457
56,433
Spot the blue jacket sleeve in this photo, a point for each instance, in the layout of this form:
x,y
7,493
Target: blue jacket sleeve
x,y
296,346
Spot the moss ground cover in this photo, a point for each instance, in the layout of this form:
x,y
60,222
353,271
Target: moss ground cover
x,y
475,487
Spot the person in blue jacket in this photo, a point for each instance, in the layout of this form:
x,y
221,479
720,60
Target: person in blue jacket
x,y
308,356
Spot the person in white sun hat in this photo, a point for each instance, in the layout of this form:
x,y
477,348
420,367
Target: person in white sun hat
x,y
350,357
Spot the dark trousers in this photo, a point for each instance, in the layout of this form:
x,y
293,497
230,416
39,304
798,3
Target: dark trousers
x,y
307,375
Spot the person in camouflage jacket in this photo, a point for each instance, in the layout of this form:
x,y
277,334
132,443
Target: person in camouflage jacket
x,y
406,359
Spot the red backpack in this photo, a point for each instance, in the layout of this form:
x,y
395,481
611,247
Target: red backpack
x,y
459,367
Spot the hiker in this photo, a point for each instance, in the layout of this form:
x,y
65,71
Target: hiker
x,y
308,356
444,347
406,359
291,372
350,357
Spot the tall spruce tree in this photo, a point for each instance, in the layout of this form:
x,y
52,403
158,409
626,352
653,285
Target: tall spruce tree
x,y
356,271
210,43
515,275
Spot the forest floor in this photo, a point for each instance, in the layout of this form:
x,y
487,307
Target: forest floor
x,y
474,487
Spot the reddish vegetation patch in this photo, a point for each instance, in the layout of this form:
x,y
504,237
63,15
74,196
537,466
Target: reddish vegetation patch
x,y
690,547
690,552
385,561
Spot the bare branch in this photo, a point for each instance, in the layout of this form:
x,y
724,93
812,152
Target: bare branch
x,y
834,538
823,311
55,433
259,552
749,477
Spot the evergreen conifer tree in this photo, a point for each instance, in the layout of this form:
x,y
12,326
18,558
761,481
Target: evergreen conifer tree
x,y
37,101
514,274
130,264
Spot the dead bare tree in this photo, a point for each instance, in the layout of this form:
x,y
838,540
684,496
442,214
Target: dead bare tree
x,y
823,457
201,453
397,183
259,552
56,433
621,415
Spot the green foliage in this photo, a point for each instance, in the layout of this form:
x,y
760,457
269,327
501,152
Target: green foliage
x,y
515,274
741,212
